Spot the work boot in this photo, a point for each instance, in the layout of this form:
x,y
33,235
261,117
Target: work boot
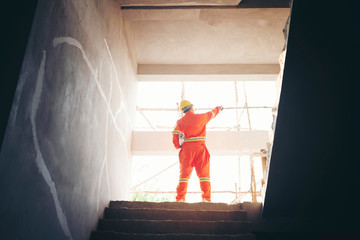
x,y
205,200
181,200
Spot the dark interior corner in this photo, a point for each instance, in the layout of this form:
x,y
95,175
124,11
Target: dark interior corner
x,y
314,163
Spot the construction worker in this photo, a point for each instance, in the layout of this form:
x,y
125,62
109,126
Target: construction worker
x,y
189,135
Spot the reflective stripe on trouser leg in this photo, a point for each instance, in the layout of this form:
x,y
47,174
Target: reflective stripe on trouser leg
x,y
202,167
205,186
181,189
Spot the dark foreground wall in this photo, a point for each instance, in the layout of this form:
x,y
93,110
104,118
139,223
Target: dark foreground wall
x,y
314,167
15,25
66,149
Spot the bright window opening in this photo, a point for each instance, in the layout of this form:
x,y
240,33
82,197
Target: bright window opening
x,y
248,107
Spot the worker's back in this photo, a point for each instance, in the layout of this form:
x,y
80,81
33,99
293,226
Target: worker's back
x,y
194,125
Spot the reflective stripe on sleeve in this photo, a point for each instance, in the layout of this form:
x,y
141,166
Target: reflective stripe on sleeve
x,y
213,114
176,132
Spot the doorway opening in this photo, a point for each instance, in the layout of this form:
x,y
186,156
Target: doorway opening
x,y
211,57
236,175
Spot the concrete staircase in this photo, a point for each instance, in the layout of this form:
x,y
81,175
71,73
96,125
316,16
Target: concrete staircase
x,y
173,221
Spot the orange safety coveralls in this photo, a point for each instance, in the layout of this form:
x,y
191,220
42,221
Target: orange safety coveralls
x,y
193,151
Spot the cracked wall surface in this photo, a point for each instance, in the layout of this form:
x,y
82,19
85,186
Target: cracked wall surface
x,y
66,151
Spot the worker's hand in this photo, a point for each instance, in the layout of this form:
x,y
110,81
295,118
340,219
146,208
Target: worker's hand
x,y
222,108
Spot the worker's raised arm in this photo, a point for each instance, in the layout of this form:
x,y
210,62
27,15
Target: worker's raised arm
x,y
213,113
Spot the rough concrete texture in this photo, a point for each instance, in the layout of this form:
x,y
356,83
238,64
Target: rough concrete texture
x,y
109,235
178,3
208,36
177,226
176,214
172,220
176,205
66,151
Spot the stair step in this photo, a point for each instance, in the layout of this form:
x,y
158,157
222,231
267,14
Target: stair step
x,y
175,227
174,214
108,235
176,205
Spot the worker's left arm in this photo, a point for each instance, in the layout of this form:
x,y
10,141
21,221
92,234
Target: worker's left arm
x,y
176,134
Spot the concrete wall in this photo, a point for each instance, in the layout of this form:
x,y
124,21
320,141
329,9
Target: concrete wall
x,y
314,164
66,150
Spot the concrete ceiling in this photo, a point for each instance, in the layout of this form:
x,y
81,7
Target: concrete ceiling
x,y
225,39
214,40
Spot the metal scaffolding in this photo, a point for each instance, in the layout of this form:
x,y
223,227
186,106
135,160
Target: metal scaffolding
x,y
242,110
255,188
145,111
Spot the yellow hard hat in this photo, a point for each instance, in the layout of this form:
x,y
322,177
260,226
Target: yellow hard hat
x,y
184,104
